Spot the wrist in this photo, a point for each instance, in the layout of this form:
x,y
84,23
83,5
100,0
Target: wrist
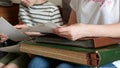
x,y
87,30
84,30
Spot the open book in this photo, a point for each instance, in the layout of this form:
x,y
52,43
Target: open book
x,y
18,35
42,28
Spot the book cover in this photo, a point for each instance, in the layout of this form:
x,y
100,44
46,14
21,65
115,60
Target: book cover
x,y
83,42
85,56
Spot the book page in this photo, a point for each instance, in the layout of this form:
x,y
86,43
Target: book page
x,y
42,28
13,33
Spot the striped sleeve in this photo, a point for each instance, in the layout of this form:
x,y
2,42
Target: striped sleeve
x,y
23,15
56,16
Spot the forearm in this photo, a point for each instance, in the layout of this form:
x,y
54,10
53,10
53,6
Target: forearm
x,y
103,30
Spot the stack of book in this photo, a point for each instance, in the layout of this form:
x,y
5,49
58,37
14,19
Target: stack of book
x,y
87,51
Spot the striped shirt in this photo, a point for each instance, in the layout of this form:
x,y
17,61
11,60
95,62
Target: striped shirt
x,y
40,13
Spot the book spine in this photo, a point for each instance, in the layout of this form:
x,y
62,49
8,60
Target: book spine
x,y
94,58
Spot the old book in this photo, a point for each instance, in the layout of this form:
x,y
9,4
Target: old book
x,y
83,42
85,56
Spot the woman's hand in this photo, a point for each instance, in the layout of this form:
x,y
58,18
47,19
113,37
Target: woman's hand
x,y
33,34
72,32
3,37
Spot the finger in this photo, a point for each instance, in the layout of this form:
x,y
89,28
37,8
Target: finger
x,y
3,40
63,29
60,29
33,33
65,35
76,37
17,26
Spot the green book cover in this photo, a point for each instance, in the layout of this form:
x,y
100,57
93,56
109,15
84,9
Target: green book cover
x,y
95,42
99,56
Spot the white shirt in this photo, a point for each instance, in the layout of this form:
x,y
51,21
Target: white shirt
x,y
96,11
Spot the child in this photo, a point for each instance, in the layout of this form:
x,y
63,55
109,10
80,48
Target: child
x,y
38,11
35,12
85,16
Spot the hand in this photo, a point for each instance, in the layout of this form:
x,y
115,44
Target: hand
x,y
33,33
3,37
72,32
20,26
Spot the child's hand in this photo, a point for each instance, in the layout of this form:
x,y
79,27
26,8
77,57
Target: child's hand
x,y
20,26
3,37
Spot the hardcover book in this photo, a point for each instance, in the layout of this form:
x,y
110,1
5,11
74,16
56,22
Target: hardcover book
x,y
83,42
85,56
